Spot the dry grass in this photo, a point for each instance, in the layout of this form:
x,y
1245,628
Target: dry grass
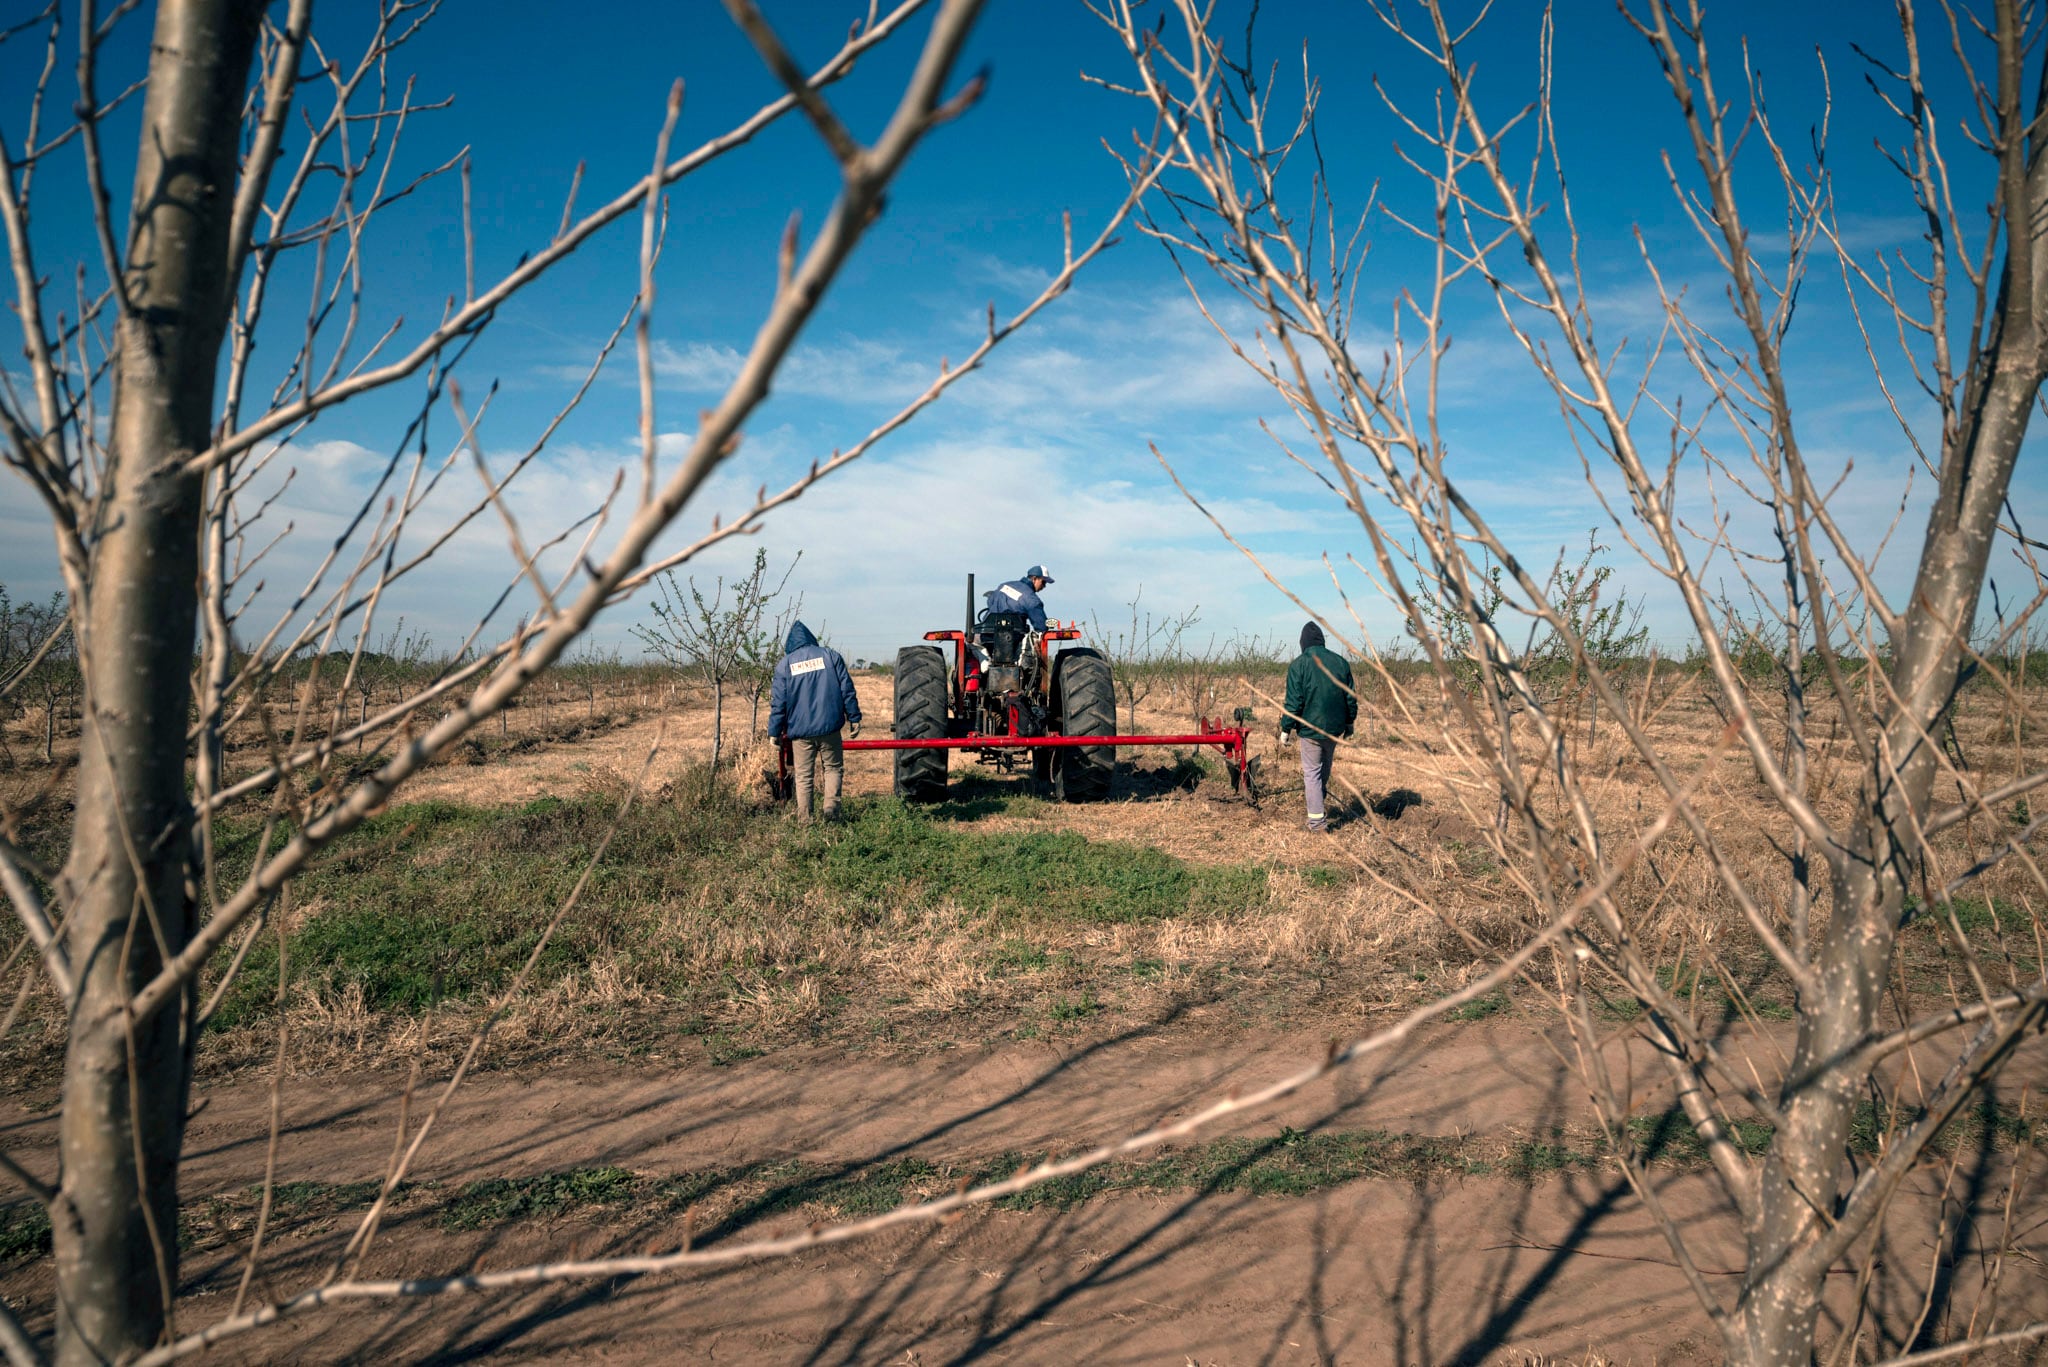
x,y
719,937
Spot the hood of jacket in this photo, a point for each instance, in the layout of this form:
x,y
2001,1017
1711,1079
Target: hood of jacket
x,y
1311,635
799,637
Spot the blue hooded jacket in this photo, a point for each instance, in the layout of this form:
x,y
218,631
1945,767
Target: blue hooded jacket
x,y
1018,596
812,694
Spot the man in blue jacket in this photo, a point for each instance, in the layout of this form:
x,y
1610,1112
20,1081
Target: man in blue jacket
x,y
810,698
1021,595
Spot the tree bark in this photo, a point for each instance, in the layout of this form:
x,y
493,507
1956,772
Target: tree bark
x,y
717,724
1780,1302
126,1082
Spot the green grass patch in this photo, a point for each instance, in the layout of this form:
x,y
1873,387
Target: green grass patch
x,y
318,1198
972,796
1617,1008
686,1189
1070,1009
1474,861
1057,875
1976,915
1289,1163
1530,1159
1293,1163
1689,985
1479,1008
866,1191
24,1232
1057,1193
495,1200
436,901
1669,1137
724,1050
1984,1125
1017,956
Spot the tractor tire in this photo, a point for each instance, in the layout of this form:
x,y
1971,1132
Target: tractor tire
x,y
1086,702
920,715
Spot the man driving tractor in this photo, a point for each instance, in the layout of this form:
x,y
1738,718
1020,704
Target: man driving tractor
x,y
1021,595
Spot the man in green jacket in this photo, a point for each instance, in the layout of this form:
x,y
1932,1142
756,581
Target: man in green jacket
x,y
1321,706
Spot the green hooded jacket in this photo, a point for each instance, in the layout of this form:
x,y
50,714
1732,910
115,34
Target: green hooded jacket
x,y
1320,703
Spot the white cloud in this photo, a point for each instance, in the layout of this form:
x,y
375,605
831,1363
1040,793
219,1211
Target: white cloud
x,y
847,370
888,545
1025,280
1040,457
1129,359
696,367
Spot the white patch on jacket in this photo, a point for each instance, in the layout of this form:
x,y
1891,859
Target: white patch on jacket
x,y
808,666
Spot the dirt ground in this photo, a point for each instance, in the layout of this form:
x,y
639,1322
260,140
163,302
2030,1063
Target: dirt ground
x,y
1210,831
1442,1267
1447,1270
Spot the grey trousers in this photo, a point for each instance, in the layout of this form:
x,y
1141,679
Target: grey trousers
x,y
829,755
1316,758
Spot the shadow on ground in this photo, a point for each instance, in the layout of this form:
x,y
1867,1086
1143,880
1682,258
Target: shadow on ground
x,y
1440,1270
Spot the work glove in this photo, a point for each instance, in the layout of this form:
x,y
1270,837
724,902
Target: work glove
x,y
853,730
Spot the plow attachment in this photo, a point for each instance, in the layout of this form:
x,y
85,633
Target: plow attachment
x,y
1233,741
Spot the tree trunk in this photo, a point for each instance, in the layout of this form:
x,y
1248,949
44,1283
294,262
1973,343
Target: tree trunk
x,y
115,1221
1801,1175
50,731
717,724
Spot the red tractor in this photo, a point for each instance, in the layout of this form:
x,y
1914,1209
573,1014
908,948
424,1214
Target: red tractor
x,y
1008,691
1005,685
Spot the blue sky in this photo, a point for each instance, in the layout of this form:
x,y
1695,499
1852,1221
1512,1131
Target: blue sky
x,y
1044,457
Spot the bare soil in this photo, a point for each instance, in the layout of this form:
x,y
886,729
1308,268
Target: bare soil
x,y
1436,1269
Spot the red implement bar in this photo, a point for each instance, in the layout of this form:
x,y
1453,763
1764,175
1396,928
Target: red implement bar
x,y
1233,741
1220,739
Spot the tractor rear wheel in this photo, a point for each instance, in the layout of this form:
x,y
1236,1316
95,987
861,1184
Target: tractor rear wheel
x,y
1086,702
920,715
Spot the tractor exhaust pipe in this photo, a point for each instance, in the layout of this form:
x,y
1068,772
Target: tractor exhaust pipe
x,y
969,627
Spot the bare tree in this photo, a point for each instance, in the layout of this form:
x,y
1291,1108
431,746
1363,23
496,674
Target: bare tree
x,y
1246,203
19,642
1140,654
757,663
1612,632
38,660
394,665
719,638
587,670
159,448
